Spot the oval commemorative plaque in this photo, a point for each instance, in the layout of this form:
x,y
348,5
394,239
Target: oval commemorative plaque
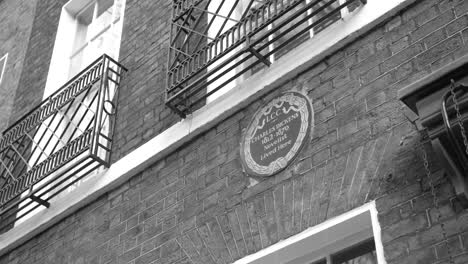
x,y
276,134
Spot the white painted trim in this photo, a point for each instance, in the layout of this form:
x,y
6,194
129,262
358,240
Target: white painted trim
x,y
59,67
60,64
5,59
291,64
334,244
377,235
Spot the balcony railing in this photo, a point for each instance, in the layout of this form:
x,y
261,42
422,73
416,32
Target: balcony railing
x,y
66,137
215,42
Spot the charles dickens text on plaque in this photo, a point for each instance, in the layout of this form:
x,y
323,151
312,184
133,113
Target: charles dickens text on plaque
x,y
276,134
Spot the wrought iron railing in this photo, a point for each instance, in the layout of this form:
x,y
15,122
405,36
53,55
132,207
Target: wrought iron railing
x,y
66,137
214,42
454,115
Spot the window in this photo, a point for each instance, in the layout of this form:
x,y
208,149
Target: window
x,y
222,16
363,252
89,82
217,44
97,31
87,29
351,238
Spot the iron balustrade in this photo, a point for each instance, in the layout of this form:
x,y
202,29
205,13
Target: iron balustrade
x,y
66,137
214,42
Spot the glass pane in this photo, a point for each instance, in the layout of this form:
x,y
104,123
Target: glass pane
x,y
101,23
290,35
96,47
363,253
369,258
104,6
327,14
98,36
85,16
260,15
322,261
223,15
75,63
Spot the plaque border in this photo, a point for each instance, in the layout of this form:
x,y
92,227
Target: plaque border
x,y
306,112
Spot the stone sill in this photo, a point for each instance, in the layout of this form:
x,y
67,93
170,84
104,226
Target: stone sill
x,y
290,65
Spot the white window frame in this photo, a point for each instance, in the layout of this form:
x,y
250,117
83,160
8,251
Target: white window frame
x,y
89,40
64,44
325,239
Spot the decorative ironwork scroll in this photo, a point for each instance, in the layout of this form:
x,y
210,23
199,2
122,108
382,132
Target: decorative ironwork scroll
x,y
215,42
60,141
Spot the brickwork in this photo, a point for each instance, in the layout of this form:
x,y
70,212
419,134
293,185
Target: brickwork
x,y
16,18
196,206
145,41
37,59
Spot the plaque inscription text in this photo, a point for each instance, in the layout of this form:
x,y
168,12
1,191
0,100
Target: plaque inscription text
x,y
276,134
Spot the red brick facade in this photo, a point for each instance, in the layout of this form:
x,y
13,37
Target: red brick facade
x,y
197,206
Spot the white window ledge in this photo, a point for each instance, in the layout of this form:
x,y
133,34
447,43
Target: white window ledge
x,y
293,63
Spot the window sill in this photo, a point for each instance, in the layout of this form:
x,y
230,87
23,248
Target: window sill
x,y
293,63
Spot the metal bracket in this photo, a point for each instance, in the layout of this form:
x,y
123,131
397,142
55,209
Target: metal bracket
x,y
176,110
40,201
453,172
259,56
262,58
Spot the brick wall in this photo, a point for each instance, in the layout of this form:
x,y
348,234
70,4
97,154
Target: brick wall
x,y
196,206
145,42
16,18
37,59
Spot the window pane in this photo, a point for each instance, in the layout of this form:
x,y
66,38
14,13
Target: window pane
x,y
98,31
95,48
104,6
363,253
85,17
292,29
369,258
257,12
328,12
322,261
101,23
75,63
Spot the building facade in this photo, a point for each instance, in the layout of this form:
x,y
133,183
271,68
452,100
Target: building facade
x,y
17,20
138,156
